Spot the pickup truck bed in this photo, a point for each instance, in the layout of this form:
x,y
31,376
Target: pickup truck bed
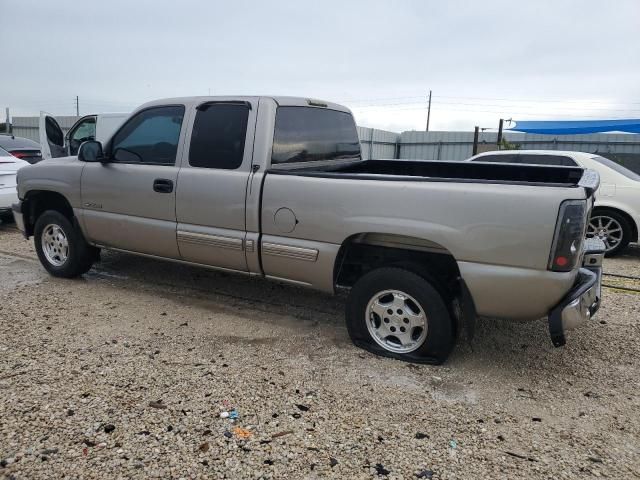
x,y
444,171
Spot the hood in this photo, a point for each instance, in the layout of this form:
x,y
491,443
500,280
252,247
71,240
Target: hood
x,y
58,161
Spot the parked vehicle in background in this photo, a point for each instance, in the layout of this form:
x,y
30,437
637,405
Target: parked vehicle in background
x,y
275,187
97,127
616,215
9,166
21,148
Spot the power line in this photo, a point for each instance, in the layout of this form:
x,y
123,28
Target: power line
x,y
518,100
534,100
494,105
575,116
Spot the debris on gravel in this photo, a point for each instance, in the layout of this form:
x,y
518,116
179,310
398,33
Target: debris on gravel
x,y
157,404
74,403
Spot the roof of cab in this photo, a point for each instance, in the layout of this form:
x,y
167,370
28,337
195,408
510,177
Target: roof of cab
x,y
279,100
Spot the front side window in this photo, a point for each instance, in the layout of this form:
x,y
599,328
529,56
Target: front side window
x,y
218,136
151,136
83,132
307,134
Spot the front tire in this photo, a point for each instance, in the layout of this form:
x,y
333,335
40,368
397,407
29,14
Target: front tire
x,y
395,313
60,246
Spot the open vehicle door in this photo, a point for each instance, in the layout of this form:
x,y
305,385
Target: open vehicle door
x,y
51,137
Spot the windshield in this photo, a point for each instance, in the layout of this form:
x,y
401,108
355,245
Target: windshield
x,y
618,168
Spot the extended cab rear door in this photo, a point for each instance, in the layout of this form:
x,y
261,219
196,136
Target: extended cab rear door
x,y
212,183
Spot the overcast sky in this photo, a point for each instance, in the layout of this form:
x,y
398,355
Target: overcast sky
x,y
484,60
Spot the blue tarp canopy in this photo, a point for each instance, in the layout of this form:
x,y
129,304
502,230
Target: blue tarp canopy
x,y
571,127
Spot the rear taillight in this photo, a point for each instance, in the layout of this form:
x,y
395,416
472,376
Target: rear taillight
x,y
19,155
569,235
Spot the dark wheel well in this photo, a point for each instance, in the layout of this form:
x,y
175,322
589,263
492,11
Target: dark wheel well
x,y
356,259
37,202
625,215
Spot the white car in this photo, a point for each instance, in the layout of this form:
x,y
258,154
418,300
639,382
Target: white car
x,y
98,127
616,215
9,166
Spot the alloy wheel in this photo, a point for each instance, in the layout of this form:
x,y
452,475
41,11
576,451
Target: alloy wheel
x,y
396,321
607,229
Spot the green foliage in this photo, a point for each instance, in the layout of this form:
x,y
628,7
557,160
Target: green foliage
x,y
505,145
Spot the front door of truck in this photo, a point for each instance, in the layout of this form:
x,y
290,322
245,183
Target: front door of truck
x,y
51,137
212,184
82,131
129,202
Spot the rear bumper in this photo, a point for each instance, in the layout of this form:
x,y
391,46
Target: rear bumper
x,y
19,217
583,300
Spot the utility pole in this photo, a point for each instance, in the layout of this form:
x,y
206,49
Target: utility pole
x,y
77,106
500,125
429,111
7,125
476,132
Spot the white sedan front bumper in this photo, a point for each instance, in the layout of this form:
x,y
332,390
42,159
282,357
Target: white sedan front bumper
x,y
8,196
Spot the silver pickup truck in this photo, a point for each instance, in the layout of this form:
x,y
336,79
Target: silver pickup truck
x,y
275,187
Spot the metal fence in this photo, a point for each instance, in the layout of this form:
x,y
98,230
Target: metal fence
x,y
379,144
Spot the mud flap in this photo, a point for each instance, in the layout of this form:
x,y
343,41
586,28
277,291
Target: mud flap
x,y
468,311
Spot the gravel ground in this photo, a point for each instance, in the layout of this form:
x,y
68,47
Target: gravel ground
x,y
125,372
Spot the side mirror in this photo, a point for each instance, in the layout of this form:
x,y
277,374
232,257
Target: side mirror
x,y
91,151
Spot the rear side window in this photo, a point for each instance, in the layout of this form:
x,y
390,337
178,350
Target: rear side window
x,y
618,168
530,159
308,134
218,136
150,136
498,159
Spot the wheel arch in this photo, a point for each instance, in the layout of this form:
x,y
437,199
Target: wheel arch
x,y
38,201
362,252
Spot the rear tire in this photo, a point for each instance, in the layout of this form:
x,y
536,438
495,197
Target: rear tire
x,y
395,313
61,247
612,228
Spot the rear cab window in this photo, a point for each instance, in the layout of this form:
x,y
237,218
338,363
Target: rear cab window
x,y
312,134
